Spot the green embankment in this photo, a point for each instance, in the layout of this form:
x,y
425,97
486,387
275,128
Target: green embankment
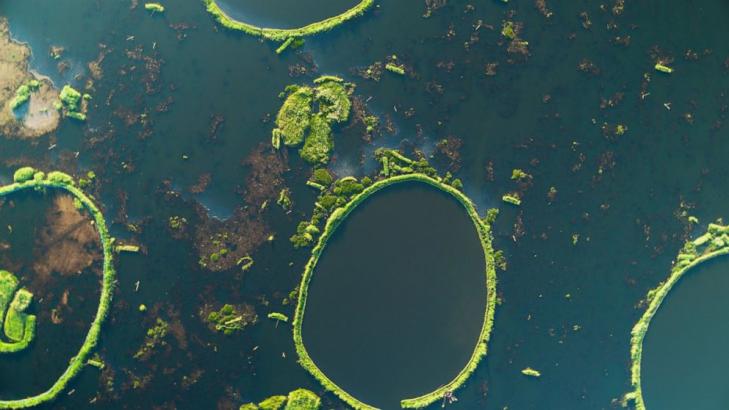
x,y
390,160
27,178
277,34
715,242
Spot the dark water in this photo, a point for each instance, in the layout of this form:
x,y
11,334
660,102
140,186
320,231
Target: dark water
x,y
284,13
684,357
566,309
397,300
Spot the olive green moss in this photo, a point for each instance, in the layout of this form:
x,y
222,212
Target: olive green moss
x,y
18,327
28,179
395,167
22,94
70,103
319,144
154,7
299,399
302,399
228,320
714,243
277,34
293,118
298,122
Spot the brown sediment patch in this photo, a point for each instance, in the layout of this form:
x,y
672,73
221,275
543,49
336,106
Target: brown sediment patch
x,y
41,117
68,243
264,181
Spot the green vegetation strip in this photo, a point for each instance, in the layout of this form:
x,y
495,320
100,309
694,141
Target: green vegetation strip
x,y
715,242
278,34
28,178
339,215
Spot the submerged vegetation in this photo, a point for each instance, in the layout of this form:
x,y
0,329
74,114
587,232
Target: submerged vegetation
x,y
336,201
715,242
297,122
277,34
27,178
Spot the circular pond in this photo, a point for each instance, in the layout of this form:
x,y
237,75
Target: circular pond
x,y
684,352
397,300
284,14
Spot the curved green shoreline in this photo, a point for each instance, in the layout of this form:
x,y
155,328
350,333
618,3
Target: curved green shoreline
x,y
28,178
280,34
484,231
715,242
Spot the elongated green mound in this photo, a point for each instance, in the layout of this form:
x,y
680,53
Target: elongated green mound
x,y
28,179
391,161
715,242
278,34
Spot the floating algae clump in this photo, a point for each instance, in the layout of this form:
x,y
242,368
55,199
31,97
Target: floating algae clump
x,y
18,324
18,327
154,7
297,122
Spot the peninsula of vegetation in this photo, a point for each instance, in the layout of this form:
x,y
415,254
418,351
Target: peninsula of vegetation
x,y
17,324
283,35
336,201
26,102
715,242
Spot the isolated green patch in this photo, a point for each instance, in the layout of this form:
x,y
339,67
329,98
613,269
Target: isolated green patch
x,y
19,325
308,115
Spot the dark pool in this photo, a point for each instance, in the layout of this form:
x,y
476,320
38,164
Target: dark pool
x,y
397,301
684,352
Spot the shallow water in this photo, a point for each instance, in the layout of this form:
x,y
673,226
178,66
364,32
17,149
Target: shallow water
x,y
397,300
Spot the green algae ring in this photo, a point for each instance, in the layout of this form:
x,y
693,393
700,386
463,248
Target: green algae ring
x,y
279,34
19,327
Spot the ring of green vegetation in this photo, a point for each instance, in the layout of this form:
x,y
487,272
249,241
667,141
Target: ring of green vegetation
x,y
28,178
279,34
336,218
715,242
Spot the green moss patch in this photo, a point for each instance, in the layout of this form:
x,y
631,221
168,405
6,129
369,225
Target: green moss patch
x,y
308,115
20,325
